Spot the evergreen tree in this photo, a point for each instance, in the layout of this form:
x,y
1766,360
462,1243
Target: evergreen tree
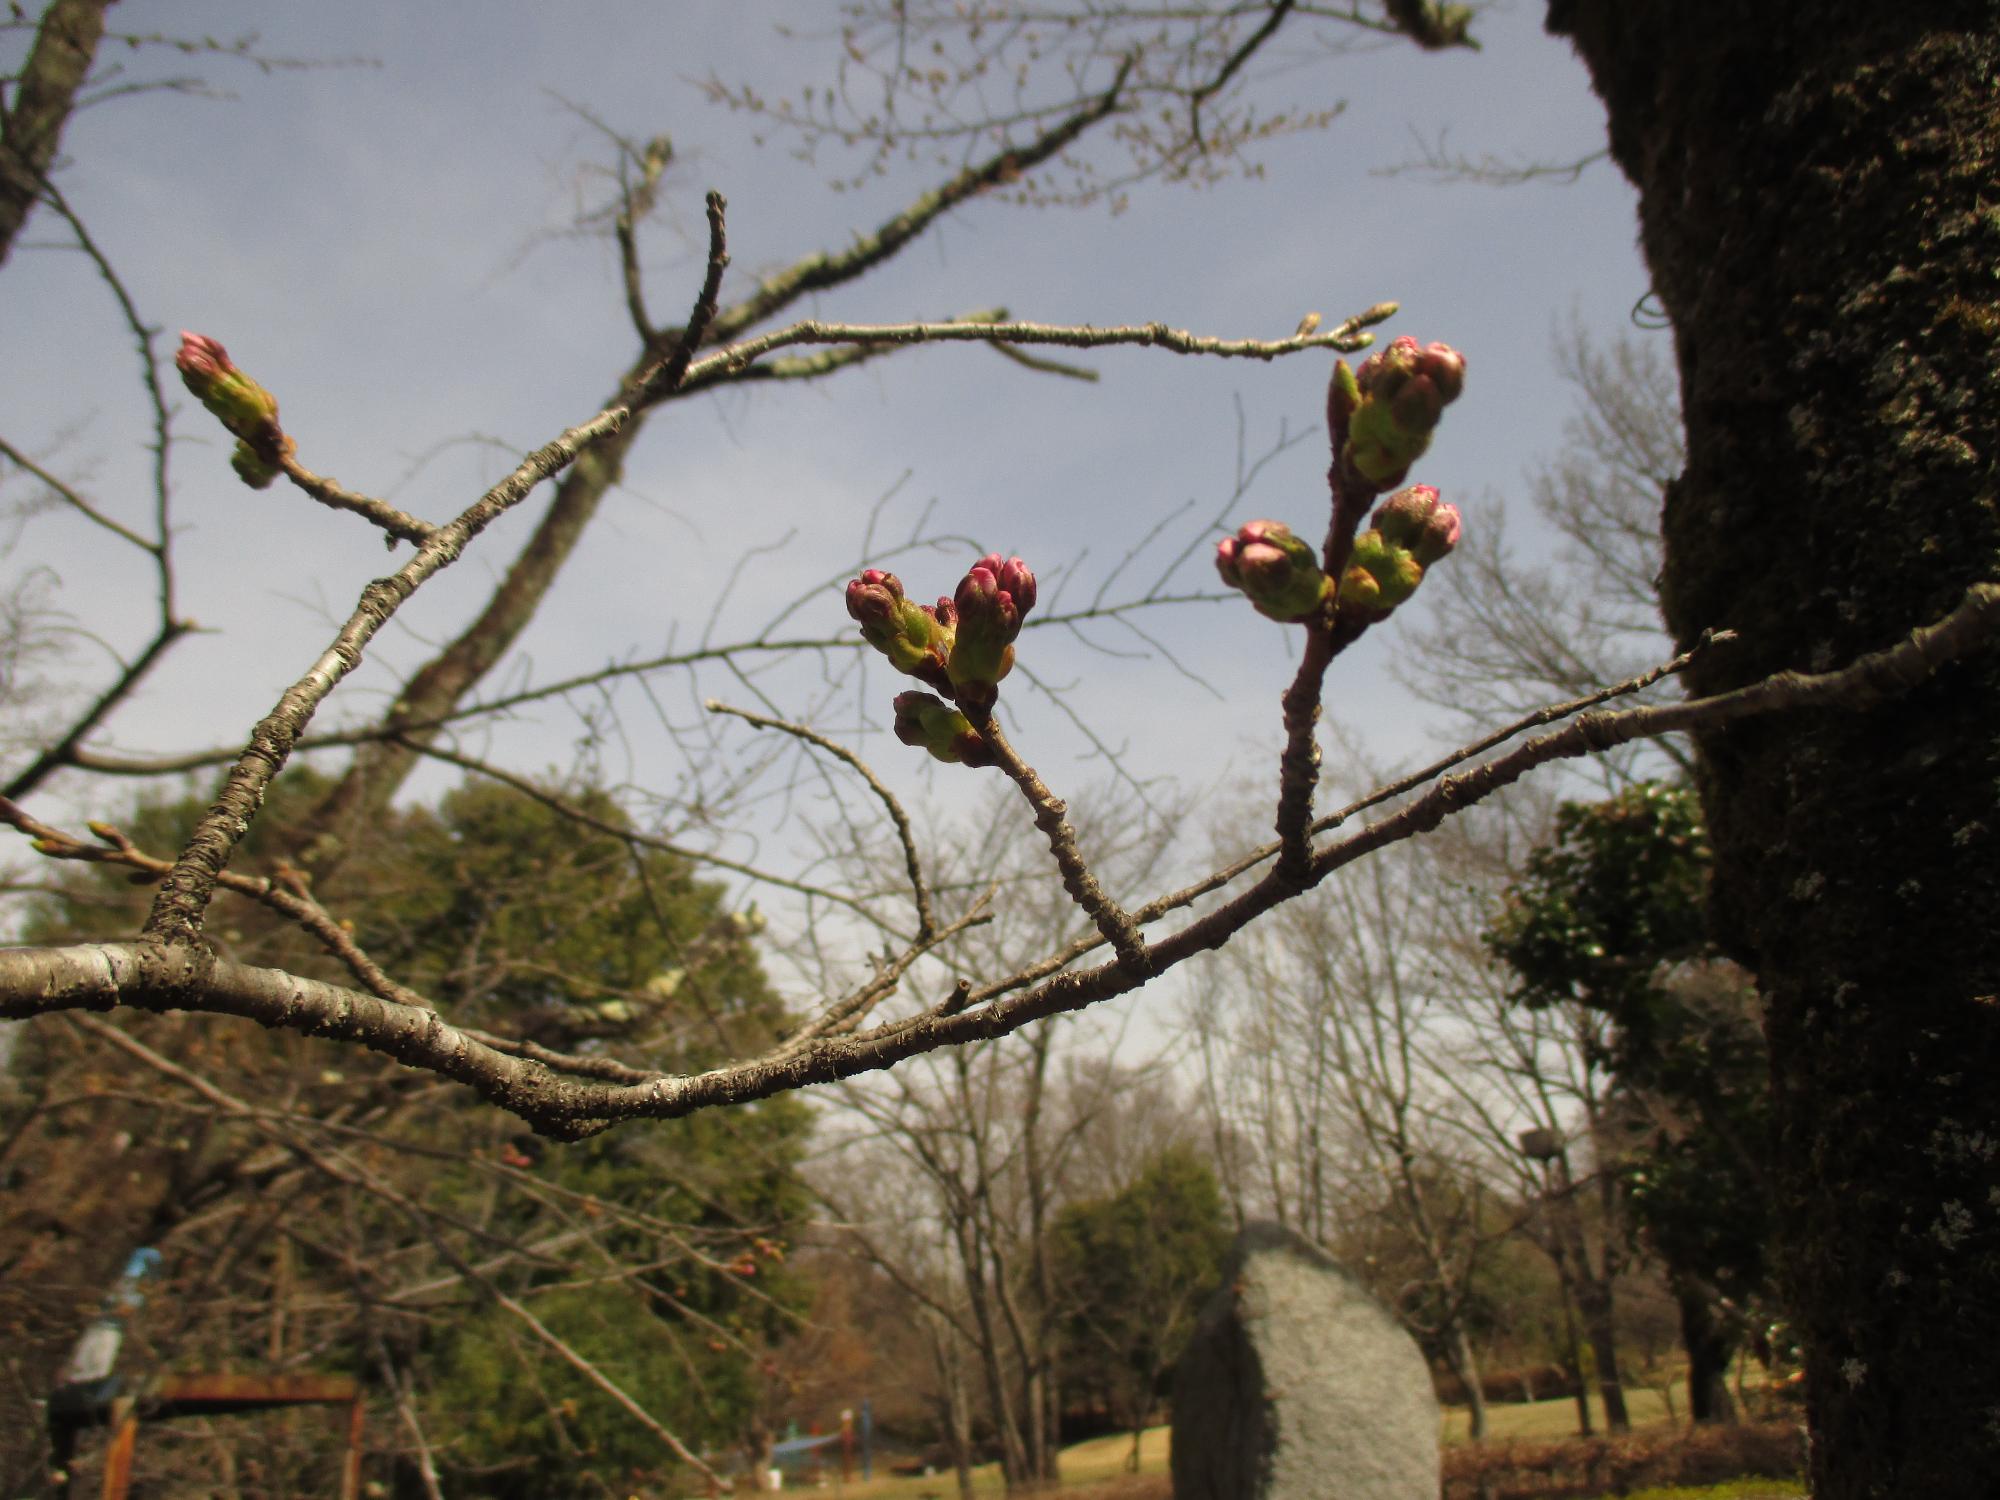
x,y
1134,1268
1611,914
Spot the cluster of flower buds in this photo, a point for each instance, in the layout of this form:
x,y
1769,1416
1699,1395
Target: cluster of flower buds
x,y
917,638
991,600
1392,405
962,646
1278,572
1411,531
241,405
927,722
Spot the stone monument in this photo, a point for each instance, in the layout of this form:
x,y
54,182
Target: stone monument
x,y
1298,1385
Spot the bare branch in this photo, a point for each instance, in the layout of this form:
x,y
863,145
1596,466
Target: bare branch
x,y
328,492
75,501
1052,818
155,976
919,890
1346,337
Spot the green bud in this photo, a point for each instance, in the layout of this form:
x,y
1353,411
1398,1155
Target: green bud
x,y
1392,405
251,469
1380,575
916,638
927,722
237,402
991,599
1279,573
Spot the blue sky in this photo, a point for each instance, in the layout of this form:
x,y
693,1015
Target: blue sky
x,y
371,242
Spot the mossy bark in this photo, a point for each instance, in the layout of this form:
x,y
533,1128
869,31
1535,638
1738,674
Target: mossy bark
x,y
1820,207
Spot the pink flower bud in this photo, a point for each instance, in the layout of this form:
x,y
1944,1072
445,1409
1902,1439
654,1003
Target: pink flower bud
x,y
1414,520
201,359
1444,367
875,598
1393,404
915,638
236,401
992,597
1279,573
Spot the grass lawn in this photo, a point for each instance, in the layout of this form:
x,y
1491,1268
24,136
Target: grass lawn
x,y
1103,1459
1083,1465
1645,1405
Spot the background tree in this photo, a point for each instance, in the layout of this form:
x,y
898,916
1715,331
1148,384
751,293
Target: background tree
x,y
502,1291
1133,1270
1611,915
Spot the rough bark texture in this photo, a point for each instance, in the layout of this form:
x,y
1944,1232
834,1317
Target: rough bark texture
x,y
31,130
1820,207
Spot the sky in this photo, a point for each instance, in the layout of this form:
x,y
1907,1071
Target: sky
x,y
379,239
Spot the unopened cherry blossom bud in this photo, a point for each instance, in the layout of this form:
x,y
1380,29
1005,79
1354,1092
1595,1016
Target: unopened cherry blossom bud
x,y
1393,404
1414,520
1279,573
1380,575
992,597
238,402
929,723
251,469
916,638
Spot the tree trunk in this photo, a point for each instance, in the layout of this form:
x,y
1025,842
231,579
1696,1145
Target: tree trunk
x,y
1817,192
1573,1345
1595,1291
1600,1325
1465,1365
1710,1344
949,1363
44,95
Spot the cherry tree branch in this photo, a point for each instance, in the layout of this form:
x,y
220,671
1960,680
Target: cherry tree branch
x,y
1345,337
920,892
1052,818
330,493
168,765
155,976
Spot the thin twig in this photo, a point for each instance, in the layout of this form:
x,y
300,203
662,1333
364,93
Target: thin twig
x,y
1346,337
284,894
329,492
672,372
75,501
148,975
116,765
588,819
912,861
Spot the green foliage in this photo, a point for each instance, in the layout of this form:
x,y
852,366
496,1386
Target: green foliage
x,y
1617,896
513,916
1610,915
1133,1268
665,1262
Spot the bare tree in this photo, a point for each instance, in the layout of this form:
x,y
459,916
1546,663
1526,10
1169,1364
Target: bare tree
x,y
1340,1048
1834,615
1517,626
1536,1094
